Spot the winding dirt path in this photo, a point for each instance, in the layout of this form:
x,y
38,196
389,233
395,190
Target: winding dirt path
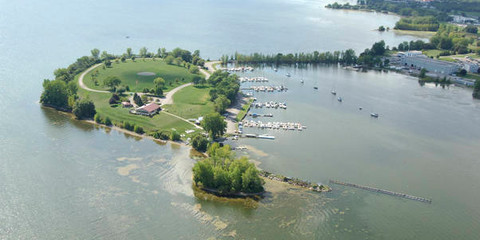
x,y
82,85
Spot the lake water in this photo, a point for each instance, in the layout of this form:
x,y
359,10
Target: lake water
x,y
61,178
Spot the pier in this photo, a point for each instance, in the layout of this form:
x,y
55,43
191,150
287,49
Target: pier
x,y
280,88
378,190
253,79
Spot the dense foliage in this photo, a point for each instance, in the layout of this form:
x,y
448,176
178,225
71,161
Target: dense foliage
x,y
224,84
84,109
200,143
214,124
137,99
222,172
345,57
427,23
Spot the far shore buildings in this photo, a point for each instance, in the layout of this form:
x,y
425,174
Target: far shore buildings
x,y
417,60
148,110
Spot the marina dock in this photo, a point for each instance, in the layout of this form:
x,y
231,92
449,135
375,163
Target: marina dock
x,y
378,190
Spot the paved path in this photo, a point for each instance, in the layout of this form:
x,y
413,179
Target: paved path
x,y
168,99
82,85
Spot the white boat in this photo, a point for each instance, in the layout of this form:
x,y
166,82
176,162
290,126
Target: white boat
x,y
375,115
333,92
275,69
288,75
339,99
266,137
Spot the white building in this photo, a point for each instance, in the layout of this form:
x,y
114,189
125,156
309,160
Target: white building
x,y
417,60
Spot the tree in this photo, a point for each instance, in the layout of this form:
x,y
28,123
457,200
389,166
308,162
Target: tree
x,y
63,74
137,99
200,143
159,82
158,91
95,54
97,118
129,53
251,182
175,136
471,29
221,104
214,124
55,93
381,29
84,108
138,129
106,56
143,52
193,69
169,59
108,122
107,63
203,173
422,73
378,48
111,82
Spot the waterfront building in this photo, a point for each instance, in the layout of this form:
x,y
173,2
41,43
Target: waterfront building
x,y
148,110
417,60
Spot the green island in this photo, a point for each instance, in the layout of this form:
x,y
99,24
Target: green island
x,y
164,96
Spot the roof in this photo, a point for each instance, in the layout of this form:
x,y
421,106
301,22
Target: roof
x,y
151,107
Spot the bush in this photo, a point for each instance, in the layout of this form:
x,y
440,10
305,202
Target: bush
x,y
108,122
138,129
200,143
84,108
175,136
163,135
97,118
114,99
128,126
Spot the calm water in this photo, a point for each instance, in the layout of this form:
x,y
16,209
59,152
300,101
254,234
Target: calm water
x,y
61,178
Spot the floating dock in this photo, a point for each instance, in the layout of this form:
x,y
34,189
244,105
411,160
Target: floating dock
x,y
378,190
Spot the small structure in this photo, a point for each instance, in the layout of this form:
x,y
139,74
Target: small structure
x,y
148,110
127,105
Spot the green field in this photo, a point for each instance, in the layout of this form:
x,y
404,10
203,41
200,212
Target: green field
x,y
473,76
191,102
160,121
127,72
432,53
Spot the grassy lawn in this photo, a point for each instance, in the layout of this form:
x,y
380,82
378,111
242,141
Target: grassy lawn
x,y
127,72
447,58
432,53
160,121
191,102
244,110
473,76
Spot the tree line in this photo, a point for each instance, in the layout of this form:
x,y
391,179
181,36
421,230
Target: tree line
x,y
346,57
369,57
